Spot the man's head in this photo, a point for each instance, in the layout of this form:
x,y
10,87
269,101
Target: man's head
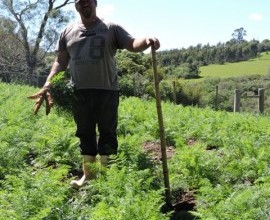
x,y
86,8
77,1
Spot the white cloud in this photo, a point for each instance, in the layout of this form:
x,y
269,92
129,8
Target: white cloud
x,y
255,17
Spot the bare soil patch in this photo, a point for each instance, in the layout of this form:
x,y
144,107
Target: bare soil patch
x,y
154,150
183,202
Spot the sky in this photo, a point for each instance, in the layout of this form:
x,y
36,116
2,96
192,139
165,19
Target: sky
x,y
183,23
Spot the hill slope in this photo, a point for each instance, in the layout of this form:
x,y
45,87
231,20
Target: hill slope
x,y
258,66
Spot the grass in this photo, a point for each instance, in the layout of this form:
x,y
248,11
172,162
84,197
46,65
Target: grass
x,y
257,66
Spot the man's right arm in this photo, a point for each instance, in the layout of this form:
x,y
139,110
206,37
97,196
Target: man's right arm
x,y
60,64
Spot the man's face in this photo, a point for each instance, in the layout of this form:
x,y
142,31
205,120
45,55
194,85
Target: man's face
x,y
86,8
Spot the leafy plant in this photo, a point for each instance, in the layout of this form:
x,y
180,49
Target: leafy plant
x,y
63,91
220,156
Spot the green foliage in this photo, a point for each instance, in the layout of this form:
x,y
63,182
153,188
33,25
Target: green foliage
x,y
126,86
14,114
33,35
244,202
129,63
186,71
181,93
63,92
230,51
220,156
32,194
229,152
224,100
259,65
133,85
166,91
246,76
122,193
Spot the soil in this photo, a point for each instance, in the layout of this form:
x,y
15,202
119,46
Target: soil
x,y
153,148
184,202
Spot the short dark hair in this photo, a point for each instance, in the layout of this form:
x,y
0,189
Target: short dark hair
x,y
76,1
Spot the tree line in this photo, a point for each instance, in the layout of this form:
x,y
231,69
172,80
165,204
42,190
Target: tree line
x,y
235,50
231,51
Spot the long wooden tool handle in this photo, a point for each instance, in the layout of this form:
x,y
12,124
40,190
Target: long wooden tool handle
x,y
161,130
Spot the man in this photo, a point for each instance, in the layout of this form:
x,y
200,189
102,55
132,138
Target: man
x,y
88,47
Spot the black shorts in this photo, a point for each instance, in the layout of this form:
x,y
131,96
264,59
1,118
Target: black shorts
x,y
96,110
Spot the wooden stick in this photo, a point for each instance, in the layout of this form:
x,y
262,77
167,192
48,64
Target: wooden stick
x,y
161,130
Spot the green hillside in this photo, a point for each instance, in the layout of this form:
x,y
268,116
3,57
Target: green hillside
x,y
220,162
258,66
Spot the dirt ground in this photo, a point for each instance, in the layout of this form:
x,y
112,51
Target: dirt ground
x,y
183,201
153,148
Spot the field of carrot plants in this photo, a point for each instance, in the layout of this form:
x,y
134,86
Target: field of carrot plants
x,y
221,159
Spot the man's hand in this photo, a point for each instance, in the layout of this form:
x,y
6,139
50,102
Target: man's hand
x,y
43,94
153,42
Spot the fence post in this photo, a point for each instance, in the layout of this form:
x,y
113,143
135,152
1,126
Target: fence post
x,y
174,92
236,107
261,99
216,99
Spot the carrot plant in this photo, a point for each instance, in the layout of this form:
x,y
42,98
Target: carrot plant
x,y
221,157
32,194
216,153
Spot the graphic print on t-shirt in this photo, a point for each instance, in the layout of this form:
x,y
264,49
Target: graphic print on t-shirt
x,y
89,49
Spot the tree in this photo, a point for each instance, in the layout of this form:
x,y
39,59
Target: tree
x,y
129,63
131,69
37,23
7,48
238,34
186,71
265,45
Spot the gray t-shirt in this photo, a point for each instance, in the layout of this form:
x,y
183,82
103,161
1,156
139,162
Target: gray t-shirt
x,y
92,52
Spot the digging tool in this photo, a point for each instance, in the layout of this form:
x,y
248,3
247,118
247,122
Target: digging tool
x,y
161,130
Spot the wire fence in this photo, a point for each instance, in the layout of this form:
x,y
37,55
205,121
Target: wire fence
x,y
232,96
241,100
